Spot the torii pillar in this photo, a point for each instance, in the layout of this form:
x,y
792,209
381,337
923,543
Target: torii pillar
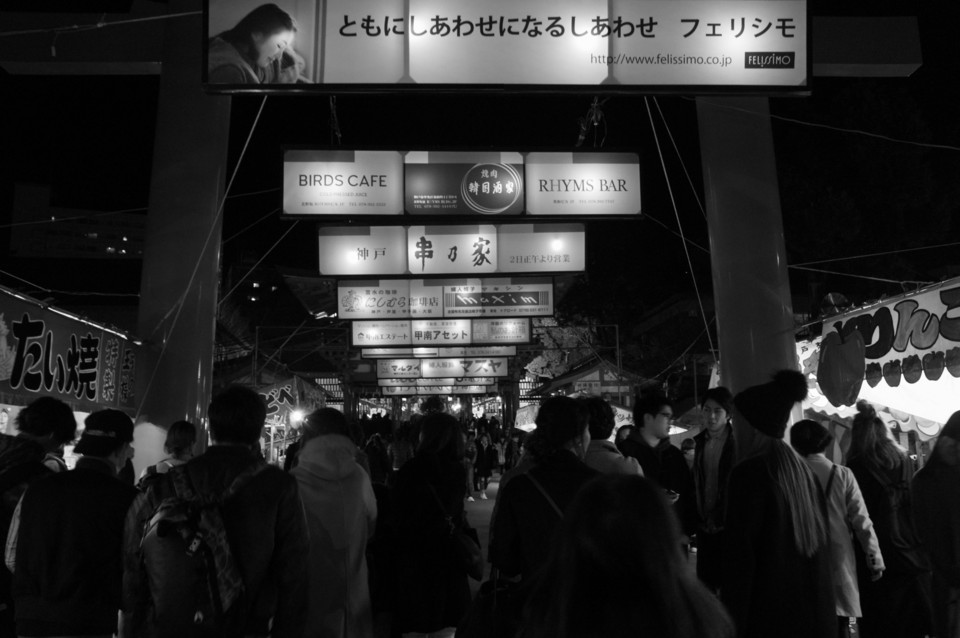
x,y
751,289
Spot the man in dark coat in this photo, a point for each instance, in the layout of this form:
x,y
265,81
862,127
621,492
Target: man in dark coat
x,y
65,538
263,521
43,428
661,461
936,509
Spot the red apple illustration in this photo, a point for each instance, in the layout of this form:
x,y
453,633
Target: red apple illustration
x,y
912,369
933,365
892,373
840,373
953,361
874,374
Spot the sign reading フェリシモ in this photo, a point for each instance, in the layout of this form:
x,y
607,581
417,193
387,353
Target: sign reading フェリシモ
x,y
582,184
516,43
342,182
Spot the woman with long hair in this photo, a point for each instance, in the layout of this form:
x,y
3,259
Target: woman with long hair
x,y
899,604
846,512
431,589
776,562
617,570
257,50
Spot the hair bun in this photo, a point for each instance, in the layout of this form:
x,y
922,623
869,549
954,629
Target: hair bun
x,y
792,383
864,408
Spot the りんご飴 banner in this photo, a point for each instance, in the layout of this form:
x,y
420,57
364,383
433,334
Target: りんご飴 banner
x,y
902,353
598,44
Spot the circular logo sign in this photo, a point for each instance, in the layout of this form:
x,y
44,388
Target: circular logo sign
x,y
491,189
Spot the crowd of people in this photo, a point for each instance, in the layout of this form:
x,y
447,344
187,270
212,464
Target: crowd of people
x,y
360,533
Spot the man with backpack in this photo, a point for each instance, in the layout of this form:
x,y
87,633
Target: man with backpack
x,y
66,535
216,546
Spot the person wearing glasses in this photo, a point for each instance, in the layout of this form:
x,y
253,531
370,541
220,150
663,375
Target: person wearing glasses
x,y
661,461
714,456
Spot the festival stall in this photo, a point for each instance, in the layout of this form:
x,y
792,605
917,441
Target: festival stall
x,y
901,354
46,351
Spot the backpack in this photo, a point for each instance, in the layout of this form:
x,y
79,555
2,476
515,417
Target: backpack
x,y
196,588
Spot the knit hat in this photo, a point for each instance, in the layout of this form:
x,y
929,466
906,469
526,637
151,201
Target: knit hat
x,y
767,406
104,431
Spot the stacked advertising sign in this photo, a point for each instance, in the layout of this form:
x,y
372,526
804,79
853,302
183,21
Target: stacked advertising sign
x,y
44,351
600,45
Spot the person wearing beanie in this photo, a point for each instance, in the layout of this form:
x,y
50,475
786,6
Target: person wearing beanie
x,y
936,509
846,512
64,544
898,605
776,554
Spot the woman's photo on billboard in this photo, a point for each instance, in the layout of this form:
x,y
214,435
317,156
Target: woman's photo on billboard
x,y
259,49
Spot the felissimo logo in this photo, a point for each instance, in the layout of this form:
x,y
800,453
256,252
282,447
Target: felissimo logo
x,y
769,59
490,189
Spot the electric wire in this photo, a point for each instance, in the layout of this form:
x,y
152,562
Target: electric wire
x,y
76,28
676,149
67,292
676,212
260,261
213,227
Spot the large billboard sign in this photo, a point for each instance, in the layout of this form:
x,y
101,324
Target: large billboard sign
x,y
600,45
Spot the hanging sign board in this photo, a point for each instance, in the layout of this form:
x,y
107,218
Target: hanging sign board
x,y
499,297
501,330
452,298
902,353
581,44
398,369
364,251
452,250
582,184
387,299
478,351
380,333
432,390
441,332
425,383
456,182
542,248
391,353
342,182
464,367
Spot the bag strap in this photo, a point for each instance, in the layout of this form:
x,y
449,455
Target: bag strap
x,y
833,474
540,489
436,497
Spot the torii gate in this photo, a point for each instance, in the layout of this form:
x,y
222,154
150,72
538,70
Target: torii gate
x,y
751,288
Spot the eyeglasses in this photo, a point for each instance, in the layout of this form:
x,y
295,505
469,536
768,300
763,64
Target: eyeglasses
x,y
714,411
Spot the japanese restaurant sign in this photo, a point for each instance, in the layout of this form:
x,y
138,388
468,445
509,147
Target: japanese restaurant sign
x,y
430,390
410,44
342,182
452,250
445,182
451,298
47,352
398,369
582,184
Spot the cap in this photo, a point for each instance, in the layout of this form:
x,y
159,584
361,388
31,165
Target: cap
x,y
104,431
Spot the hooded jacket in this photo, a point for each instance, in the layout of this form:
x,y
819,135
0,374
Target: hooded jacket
x,y
341,515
